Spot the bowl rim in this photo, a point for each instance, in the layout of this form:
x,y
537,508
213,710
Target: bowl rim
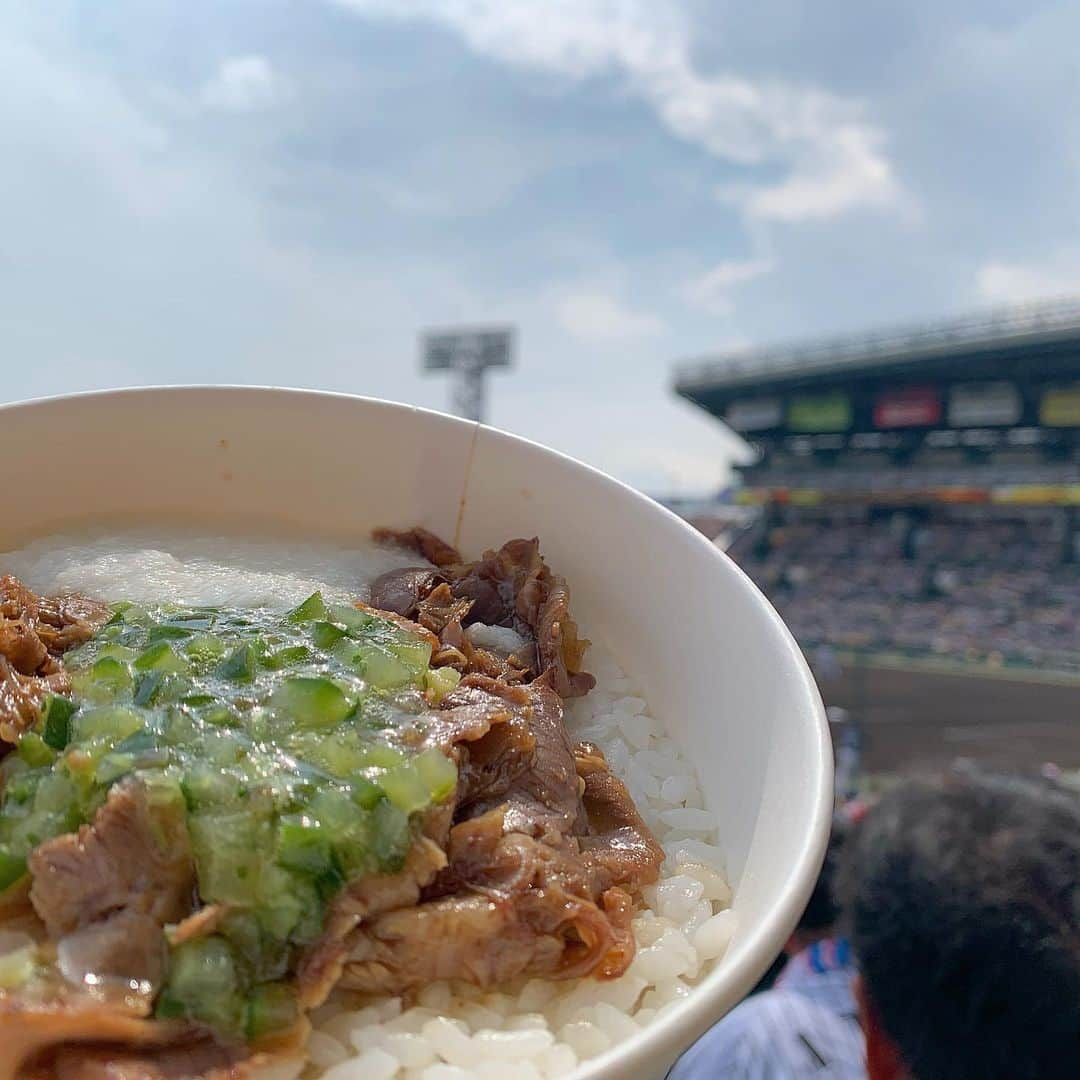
x,y
698,1011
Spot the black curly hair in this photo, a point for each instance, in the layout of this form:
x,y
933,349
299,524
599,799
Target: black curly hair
x,y
962,897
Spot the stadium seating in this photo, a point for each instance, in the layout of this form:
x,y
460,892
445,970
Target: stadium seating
x,y
966,588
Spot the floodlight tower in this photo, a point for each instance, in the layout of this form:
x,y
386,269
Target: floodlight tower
x,y
468,352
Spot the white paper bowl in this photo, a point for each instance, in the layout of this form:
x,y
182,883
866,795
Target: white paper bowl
x,y
716,663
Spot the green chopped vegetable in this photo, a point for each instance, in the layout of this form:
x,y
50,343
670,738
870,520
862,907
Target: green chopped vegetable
x,y
383,669
239,665
205,649
289,744
312,608
304,845
312,702
35,751
160,657
290,656
438,773
12,867
405,788
168,632
204,984
17,966
271,1007
56,716
441,681
352,618
325,634
114,722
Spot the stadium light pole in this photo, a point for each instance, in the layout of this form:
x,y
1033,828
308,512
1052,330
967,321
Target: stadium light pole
x,y
468,352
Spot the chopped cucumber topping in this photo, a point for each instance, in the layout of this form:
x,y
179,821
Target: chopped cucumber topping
x,y
290,742
312,608
17,966
159,657
56,716
311,702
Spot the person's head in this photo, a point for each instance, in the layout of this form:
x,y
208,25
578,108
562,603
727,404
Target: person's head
x,y
822,910
963,906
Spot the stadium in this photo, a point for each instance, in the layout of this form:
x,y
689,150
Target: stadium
x,y
913,511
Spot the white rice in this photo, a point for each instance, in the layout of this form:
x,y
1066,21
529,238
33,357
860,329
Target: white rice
x,y
453,1031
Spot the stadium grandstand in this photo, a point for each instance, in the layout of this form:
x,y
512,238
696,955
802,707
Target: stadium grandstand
x,y
918,506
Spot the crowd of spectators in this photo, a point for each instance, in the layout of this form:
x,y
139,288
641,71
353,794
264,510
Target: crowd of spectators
x,y
901,478
968,589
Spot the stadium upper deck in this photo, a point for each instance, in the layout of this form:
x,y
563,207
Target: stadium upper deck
x,y
1037,342
985,408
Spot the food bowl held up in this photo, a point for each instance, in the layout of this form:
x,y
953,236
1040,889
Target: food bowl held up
x,y
716,664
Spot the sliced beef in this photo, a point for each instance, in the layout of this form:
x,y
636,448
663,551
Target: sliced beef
x,y
403,590
426,544
535,883
194,1058
482,940
541,794
458,724
21,697
127,949
30,1030
90,1040
34,632
60,622
619,841
512,587
135,857
23,649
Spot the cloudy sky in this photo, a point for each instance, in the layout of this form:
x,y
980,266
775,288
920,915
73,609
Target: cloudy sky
x,y
286,191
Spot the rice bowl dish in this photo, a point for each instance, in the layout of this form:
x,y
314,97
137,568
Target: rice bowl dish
x,y
445,1028
750,716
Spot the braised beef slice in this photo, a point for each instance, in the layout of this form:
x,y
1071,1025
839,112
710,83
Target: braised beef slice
x,y
426,544
450,729
532,886
541,793
135,857
511,587
21,697
402,590
194,1058
104,895
619,843
34,632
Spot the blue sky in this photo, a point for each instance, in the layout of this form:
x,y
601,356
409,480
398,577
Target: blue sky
x,y
287,191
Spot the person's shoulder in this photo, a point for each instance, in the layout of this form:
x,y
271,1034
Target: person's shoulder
x,y
743,1035
754,1037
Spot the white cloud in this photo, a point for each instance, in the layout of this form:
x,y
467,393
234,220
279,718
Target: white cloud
x,y
999,281
833,157
712,290
243,84
844,169
598,318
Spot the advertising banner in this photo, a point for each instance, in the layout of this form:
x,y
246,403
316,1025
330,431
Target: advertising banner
x,y
911,406
994,404
823,412
757,414
1061,408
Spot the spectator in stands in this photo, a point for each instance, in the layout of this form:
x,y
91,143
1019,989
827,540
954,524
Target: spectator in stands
x,y
807,1024
963,898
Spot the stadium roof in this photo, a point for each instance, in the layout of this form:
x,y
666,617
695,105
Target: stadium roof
x,y
1014,332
